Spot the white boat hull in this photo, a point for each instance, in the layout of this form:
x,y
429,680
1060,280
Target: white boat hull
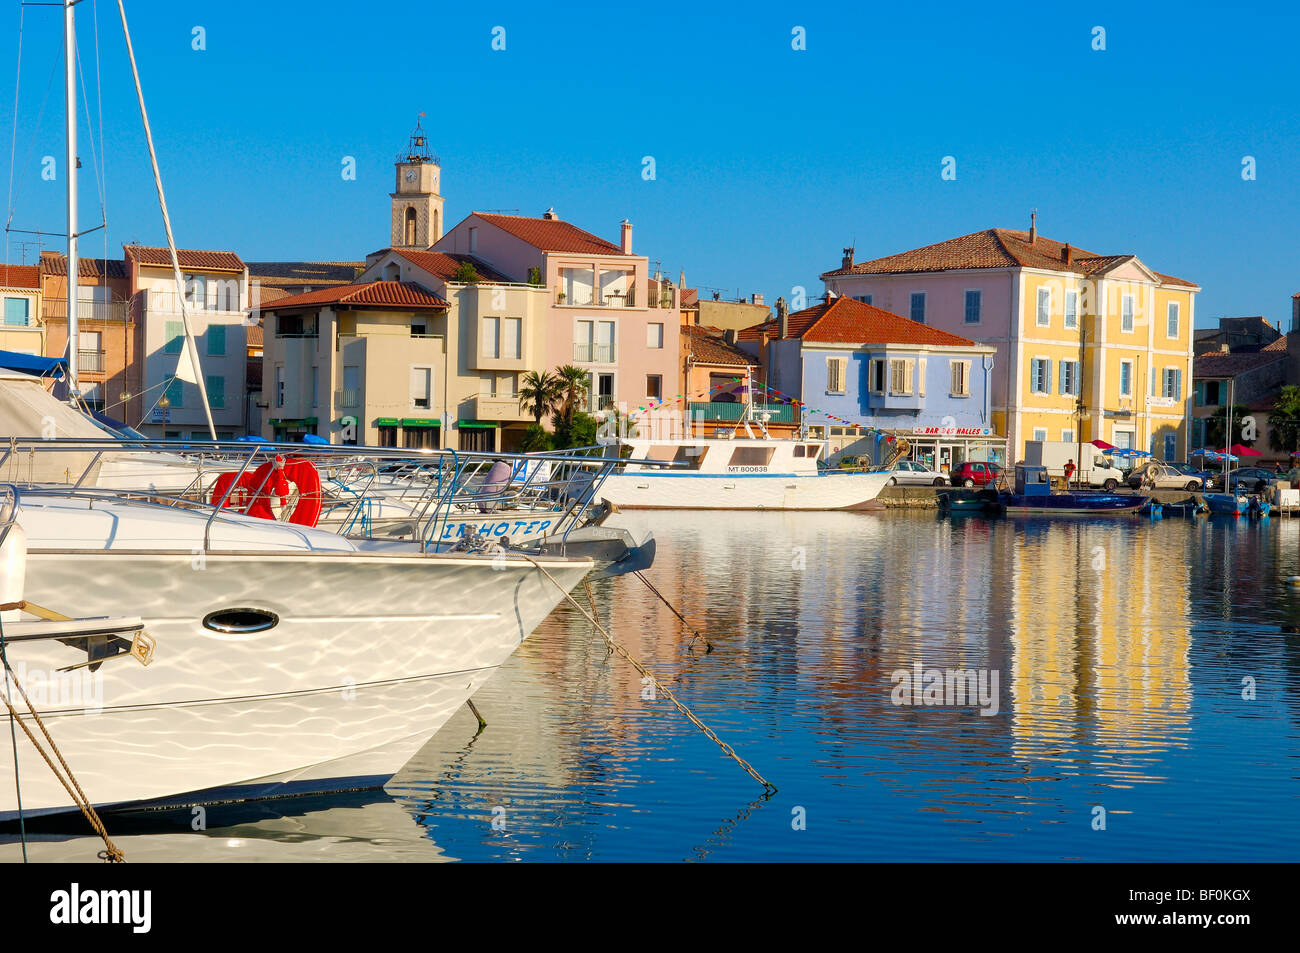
x,y
652,490
364,666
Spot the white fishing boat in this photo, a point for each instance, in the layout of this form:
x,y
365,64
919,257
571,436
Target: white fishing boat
x,y
738,473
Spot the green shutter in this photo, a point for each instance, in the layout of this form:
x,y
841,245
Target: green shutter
x,y
17,313
217,340
216,391
175,337
176,393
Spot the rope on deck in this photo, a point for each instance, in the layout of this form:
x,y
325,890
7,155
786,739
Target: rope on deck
x,y
769,787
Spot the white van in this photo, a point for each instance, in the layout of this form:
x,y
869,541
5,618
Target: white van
x,y
1092,466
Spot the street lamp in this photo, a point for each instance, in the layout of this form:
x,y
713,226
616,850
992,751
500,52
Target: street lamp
x,y
164,404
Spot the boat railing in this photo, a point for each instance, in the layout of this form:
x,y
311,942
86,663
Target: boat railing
x,y
433,487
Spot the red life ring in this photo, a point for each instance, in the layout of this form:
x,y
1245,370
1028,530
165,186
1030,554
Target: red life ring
x,y
251,493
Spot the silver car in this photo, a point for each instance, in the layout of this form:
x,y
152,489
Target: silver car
x,y
910,473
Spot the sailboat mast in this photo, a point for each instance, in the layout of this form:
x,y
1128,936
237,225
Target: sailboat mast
x,y
74,261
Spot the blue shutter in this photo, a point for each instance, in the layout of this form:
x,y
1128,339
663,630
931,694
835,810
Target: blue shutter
x,y
217,339
17,313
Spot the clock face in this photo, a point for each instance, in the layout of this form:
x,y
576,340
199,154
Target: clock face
x,y
410,175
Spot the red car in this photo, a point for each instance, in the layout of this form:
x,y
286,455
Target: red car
x,y
975,474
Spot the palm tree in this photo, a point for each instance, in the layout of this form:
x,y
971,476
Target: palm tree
x,y
540,394
1284,420
574,384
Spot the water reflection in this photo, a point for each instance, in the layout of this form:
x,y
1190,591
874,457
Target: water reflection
x,y
1124,651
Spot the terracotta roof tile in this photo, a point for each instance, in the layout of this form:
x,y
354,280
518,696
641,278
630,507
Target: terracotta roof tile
x,y
52,263
707,347
690,297
255,332
1278,345
188,258
444,264
991,248
848,321
546,234
20,276
383,294
1231,363
317,274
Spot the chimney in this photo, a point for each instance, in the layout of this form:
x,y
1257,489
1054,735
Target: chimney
x,y
1225,348
550,215
730,336
1067,253
847,261
625,237
1033,226
782,317
756,299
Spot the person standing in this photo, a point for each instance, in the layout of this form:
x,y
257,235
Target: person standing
x,y
1069,472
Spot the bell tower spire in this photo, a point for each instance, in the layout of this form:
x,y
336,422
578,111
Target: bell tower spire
x,y
417,206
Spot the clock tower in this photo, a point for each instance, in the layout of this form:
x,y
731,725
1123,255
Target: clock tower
x,y
417,206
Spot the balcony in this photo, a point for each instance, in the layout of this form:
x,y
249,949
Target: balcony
x,y
349,398
169,302
593,353
56,309
88,360
732,411
610,299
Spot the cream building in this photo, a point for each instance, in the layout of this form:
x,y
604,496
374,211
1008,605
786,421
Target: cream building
x,y
22,330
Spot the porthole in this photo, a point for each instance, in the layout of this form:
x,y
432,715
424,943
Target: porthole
x,y
240,621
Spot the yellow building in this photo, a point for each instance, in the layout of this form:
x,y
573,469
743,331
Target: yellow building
x,y
1088,346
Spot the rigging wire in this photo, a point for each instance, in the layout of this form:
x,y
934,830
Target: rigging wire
x,y
13,146
13,735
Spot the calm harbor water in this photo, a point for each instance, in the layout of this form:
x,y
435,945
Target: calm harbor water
x,y
1121,648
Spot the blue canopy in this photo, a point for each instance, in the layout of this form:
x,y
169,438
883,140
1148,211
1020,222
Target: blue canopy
x,y
313,438
31,364
1125,452
249,438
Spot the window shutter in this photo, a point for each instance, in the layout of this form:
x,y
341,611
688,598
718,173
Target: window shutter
x,y
908,368
920,383
1047,377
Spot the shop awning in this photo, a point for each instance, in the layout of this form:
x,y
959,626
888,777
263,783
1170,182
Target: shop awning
x,y
471,424
420,422
387,422
294,422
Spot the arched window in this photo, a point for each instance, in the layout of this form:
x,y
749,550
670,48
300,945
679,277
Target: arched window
x,y
436,233
410,226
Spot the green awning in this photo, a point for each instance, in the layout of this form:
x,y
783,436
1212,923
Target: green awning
x,y
387,422
420,422
294,422
469,424
310,421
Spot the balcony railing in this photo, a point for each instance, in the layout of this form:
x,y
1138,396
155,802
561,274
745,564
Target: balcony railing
x,y
593,353
169,302
348,398
731,412
92,361
610,299
56,309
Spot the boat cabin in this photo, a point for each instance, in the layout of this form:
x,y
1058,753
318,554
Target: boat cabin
x,y
728,457
1032,480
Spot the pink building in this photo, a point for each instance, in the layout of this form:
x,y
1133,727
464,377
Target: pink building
x,y
604,313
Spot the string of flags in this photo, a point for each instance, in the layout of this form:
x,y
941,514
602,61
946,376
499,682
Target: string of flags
x,y
779,397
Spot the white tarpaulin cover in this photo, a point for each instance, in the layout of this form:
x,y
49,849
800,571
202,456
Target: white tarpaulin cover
x,y
29,411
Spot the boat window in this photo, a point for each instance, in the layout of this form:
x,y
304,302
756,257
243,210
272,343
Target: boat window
x,y
662,452
751,457
692,455
799,449
814,449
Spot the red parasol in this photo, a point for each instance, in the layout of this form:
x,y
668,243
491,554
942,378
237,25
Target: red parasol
x,y
1103,445
1242,450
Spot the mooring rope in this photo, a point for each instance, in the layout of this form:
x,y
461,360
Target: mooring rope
x,y
695,633
769,787
111,853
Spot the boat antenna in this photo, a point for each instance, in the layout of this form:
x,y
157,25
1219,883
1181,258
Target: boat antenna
x,y
187,366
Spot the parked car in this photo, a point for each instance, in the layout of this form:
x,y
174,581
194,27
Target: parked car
x,y
1167,476
976,473
911,473
1247,479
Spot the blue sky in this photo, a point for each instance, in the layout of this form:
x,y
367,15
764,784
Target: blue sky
x,y
768,160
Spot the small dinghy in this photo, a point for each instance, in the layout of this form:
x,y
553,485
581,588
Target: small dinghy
x,y
1227,504
1188,507
956,502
